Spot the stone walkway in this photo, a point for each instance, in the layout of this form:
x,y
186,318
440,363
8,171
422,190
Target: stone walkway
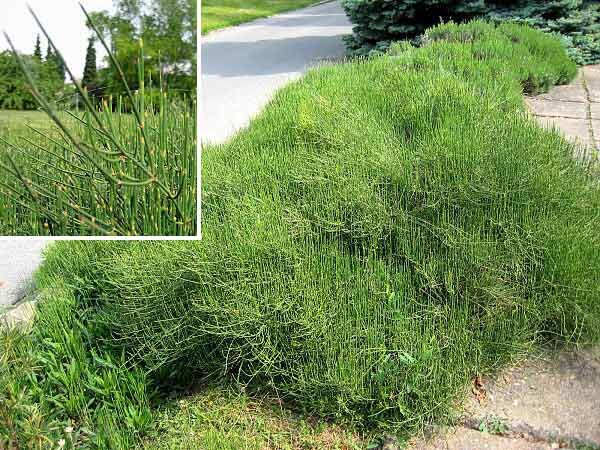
x,y
545,403
551,402
574,109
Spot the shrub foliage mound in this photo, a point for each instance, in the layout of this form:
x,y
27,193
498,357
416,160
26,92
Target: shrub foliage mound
x,y
378,23
536,60
383,231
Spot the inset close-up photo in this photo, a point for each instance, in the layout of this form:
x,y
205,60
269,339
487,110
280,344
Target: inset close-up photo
x,y
98,119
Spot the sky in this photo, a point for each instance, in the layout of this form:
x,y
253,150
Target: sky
x,y
64,21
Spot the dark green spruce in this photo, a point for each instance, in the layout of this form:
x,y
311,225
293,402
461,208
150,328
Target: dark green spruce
x,y
90,71
38,48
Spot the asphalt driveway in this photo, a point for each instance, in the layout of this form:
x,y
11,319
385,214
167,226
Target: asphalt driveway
x,y
243,66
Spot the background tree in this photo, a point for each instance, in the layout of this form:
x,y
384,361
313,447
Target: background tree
x,y
169,30
14,90
38,48
49,53
54,63
60,68
90,70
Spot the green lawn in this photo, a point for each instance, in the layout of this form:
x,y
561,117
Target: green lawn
x,y
222,418
225,13
18,119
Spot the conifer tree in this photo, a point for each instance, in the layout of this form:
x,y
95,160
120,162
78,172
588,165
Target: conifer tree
x,y
60,68
52,58
49,53
38,48
90,74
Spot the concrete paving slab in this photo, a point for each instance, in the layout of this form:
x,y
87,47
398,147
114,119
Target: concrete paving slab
x,y
595,111
591,71
594,92
592,81
18,261
20,315
567,93
467,439
576,130
559,396
550,108
596,131
578,78
243,66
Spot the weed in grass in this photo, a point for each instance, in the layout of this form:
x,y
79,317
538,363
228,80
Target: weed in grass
x,y
493,425
125,167
220,418
590,446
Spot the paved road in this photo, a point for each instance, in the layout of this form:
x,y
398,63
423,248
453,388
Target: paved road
x,y
18,260
243,66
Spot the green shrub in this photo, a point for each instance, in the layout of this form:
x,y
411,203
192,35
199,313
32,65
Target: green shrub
x,y
14,92
537,61
578,22
382,232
